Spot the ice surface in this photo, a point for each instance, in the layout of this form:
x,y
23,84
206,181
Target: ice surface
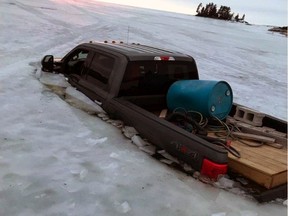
x,y
219,214
79,100
59,160
51,79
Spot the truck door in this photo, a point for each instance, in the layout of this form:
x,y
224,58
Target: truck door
x,y
95,79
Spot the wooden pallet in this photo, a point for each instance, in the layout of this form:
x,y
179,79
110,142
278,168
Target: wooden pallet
x,y
265,165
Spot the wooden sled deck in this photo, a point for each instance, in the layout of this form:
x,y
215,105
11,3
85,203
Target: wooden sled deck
x,y
265,165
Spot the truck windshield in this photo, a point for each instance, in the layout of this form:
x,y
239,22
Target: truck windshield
x,y
155,77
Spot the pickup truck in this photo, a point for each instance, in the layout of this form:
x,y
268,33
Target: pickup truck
x,y
131,82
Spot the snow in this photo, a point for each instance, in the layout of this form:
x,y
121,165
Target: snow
x,y
56,159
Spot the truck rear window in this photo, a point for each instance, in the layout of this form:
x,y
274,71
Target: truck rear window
x,y
155,77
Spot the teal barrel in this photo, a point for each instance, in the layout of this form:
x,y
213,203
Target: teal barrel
x,y
210,98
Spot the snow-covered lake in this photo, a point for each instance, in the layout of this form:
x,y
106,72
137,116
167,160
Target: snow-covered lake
x,y
58,160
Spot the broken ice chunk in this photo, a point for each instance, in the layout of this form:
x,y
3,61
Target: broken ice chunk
x,y
224,182
125,207
196,175
129,132
117,123
114,155
168,156
243,181
102,115
83,174
187,167
138,141
105,118
151,150
166,161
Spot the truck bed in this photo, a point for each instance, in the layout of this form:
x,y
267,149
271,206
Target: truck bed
x,y
264,165
152,103
142,112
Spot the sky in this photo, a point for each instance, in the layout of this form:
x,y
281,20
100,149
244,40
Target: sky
x,y
262,12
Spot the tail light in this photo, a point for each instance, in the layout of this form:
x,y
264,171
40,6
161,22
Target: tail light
x,y
213,170
164,58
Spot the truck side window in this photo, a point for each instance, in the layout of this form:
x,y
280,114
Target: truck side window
x,y
100,69
74,62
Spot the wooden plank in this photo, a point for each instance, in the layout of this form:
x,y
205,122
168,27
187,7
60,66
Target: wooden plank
x,y
265,164
261,163
247,161
258,176
255,175
278,155
274,151
263,152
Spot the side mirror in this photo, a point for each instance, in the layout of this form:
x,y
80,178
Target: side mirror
x,y
48,63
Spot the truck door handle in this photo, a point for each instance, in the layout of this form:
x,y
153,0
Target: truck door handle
x,y
98,102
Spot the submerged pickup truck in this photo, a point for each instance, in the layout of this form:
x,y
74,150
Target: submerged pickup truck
x,y
137,84
130,82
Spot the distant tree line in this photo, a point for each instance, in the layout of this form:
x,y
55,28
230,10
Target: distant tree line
x,y
223,13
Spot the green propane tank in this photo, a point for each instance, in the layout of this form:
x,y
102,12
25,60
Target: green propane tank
x,y
210,98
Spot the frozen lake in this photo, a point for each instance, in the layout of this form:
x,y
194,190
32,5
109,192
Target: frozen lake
x,y
58,160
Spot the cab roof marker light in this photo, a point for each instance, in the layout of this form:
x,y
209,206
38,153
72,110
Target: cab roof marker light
x,y
164,58
171,58
105,41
